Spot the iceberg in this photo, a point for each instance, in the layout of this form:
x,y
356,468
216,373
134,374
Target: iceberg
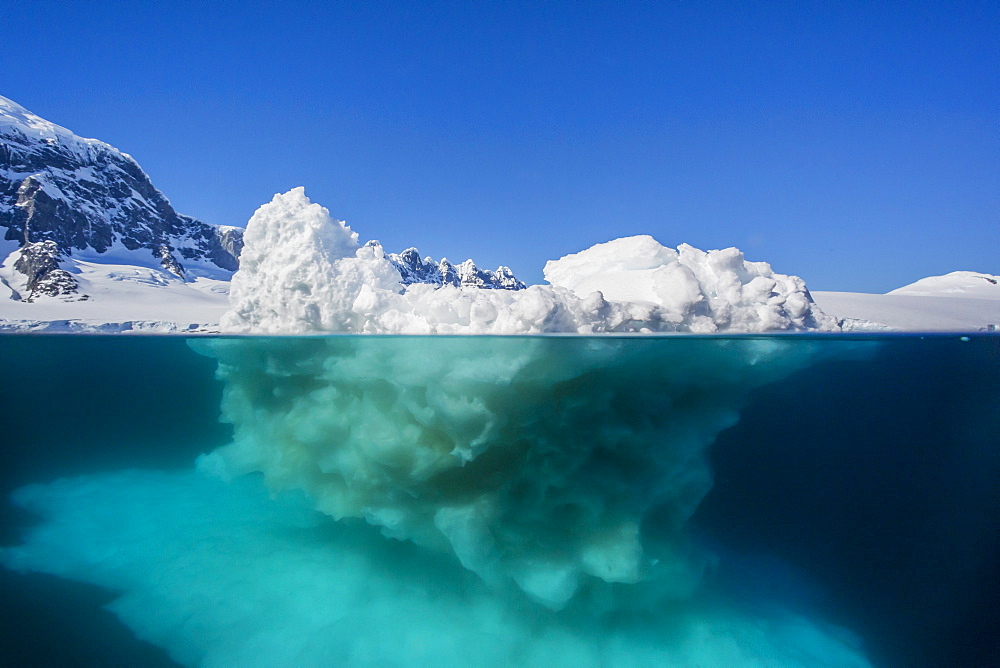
x,y
531,460
303,272
498,499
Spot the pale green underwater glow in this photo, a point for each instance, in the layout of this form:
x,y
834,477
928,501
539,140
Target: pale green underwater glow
x,y
533,460
438,501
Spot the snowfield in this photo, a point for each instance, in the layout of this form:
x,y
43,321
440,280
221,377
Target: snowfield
x,y
126,291
959,301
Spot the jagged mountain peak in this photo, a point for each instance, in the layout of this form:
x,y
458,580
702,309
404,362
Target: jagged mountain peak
x,y
85,195
415,269
33,126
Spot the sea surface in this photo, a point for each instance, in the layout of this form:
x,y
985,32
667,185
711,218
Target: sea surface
x,y
851,481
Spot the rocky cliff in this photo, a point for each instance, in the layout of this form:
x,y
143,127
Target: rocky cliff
x,y
61,194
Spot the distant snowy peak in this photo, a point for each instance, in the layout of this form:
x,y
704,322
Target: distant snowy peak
x,y
85,195
968,284
16,119
414,269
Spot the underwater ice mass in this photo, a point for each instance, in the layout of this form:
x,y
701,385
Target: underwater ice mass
x,y
492,501
498,501
534,461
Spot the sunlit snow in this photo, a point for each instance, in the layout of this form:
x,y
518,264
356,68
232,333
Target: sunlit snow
x,y
301,271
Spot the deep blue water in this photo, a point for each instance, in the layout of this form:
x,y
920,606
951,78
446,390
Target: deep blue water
x,y
863,489
83,404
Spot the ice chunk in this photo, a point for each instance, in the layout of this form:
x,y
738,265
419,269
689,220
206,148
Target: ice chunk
x,y
302,271
622,270
690,289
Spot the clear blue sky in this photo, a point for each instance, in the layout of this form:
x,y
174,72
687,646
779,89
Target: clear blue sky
x,y
856,144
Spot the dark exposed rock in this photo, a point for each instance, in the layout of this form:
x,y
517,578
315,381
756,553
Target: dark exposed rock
x,y
39,261
230,246
84,194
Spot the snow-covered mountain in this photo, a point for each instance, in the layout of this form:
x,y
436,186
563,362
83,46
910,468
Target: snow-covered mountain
x,y
413,269
88,243
968,284
64,197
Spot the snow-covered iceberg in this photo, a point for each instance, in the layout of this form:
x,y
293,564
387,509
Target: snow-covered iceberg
x,y
303,272
531,460
499,500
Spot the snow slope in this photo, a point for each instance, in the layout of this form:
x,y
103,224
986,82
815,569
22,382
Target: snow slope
x,y
959,301
964,284
126,291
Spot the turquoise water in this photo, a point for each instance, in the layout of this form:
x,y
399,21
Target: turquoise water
x,y
785,495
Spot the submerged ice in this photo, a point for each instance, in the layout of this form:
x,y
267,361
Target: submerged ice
x,y
567,467
224,574
437,501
